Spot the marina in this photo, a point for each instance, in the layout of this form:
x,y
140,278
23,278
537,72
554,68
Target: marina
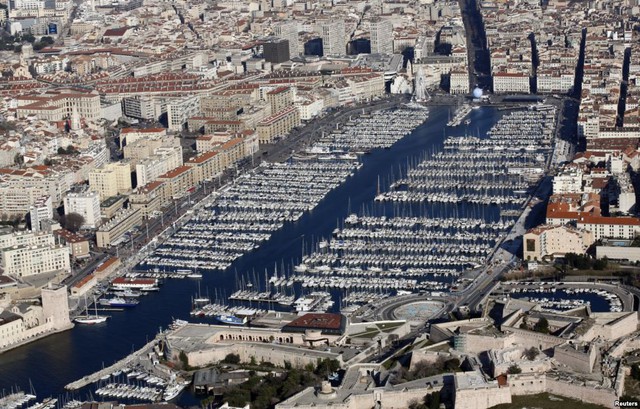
x,y
245,214
157,308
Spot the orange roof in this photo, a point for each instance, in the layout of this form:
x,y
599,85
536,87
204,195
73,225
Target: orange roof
x,y
84,281
203,158
589,219
175,172
107,263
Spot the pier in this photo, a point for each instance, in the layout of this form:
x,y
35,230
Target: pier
x,y
118,366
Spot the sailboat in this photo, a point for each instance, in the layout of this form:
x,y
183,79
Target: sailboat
x,y
91,319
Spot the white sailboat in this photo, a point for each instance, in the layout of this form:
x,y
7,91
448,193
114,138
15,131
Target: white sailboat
x,y
91,319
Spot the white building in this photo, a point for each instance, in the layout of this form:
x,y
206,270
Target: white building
x,y
381,36
459,81
86,204
29,253
555,241
554,82
41,211
289,31
568,181
507,82
178,111
333,37
164,160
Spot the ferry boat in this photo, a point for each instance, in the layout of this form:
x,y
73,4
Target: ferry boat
x,y
231,320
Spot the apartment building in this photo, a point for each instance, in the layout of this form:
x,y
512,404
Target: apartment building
x,y
30,253
178,182
162,161
180,110
511,82
280,99
555,241
381,36
149,198
87,205
109,233
59,104
278,125
111,180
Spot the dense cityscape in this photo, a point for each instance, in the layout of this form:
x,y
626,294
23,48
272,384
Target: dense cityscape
x,y
335,204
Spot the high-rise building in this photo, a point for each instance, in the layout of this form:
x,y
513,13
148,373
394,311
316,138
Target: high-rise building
x,y
381,36
333,37
276,51
111,180
288,31
86,204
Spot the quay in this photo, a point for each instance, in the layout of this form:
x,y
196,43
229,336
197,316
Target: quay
x,y
118,366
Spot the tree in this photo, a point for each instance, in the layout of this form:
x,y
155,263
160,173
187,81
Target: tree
x,y
514,369
73,221
635,372
531,353
542,326
233,359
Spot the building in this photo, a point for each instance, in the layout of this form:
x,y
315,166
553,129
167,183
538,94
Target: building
x,y
130,135
180,110
41,213
507,82
288,30
610,227
20,189
162,161
555,241
381,36
276,51
77,244
60,104
27,322
149,198
124,221
459,81
178,182
111,180
278,125
333,37
280,99
87,205
30,253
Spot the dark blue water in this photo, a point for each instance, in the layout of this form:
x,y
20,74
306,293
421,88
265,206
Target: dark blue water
x,y
597,303
53,362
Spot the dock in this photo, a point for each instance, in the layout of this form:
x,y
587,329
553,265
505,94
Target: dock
x,y
95,377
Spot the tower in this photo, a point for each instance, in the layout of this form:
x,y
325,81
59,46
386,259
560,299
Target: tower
x,y
55,307
381,37
333,38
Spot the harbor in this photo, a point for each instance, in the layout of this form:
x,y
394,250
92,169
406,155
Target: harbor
x,y
287,244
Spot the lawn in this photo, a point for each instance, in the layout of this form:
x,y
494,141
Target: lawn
x,y
542,401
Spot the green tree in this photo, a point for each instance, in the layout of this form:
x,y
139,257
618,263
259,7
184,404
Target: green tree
x,y
514,369
237,397
542,326
531,353
232,359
